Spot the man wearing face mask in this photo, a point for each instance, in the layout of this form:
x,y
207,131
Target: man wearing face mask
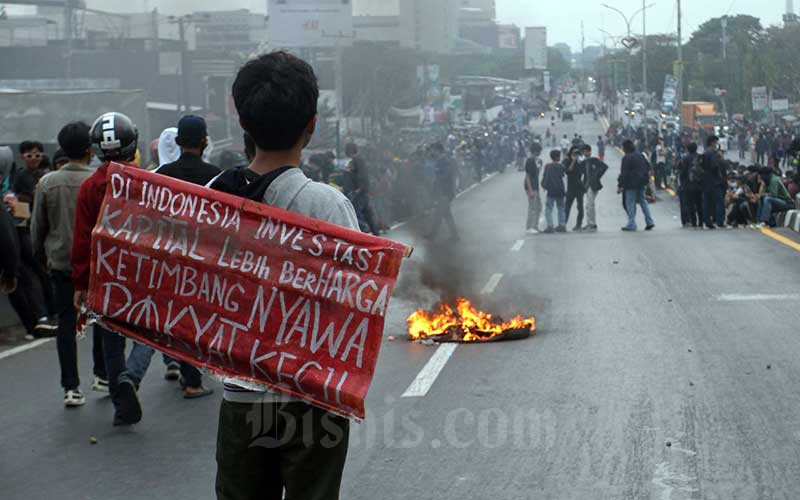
x,y
576,175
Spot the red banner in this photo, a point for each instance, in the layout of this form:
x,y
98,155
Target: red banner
x,y
243,289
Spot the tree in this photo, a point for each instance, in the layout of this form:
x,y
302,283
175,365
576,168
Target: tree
x,y
557,64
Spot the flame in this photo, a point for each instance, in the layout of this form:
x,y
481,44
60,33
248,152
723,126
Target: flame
x,y
477,326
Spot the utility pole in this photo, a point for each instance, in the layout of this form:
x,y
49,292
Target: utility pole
x,y
680,71
583,62
339,83
184,101
644,52
724,38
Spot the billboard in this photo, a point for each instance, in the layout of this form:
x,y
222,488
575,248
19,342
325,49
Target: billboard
x,y
507,37
780,105
310,23
670,93
536,47
760,99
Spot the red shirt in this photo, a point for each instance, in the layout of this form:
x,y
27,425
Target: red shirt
x,y
90,198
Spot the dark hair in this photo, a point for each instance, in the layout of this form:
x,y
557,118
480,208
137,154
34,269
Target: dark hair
x,y
586,147
351,149
628,147
276,97
692,147
249,147
555,154
437,146
711,139
26,146
74,140
536,148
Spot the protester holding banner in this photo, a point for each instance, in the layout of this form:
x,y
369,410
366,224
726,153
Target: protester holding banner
x,y
276,97
114,138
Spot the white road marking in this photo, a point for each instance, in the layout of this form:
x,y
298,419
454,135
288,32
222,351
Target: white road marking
x,y
22,348
494,280
518,245
427,376
740,297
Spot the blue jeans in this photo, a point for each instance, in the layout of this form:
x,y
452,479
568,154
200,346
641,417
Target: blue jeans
x,y
557,201
770,205
714,206
635,197
117,369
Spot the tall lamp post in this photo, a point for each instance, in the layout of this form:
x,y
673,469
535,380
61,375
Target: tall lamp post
x,y
628,22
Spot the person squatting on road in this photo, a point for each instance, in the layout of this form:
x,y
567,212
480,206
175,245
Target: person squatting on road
x,y
532,167
302,448
553,183
633,179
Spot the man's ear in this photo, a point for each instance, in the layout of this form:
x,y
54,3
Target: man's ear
x,y
310,128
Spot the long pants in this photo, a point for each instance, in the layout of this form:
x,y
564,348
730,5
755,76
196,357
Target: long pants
x,y
635,197
27,299
770,206
534,211
575,197
591,209
266,448
363,208
118,369
558,202
760,157
192,377
714,206
27,259
66,343
442,212
740,214
691,207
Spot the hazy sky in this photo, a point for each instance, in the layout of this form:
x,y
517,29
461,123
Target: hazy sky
x,y
564,22
563,19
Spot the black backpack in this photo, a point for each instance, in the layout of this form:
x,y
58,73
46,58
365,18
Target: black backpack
x,y
696,170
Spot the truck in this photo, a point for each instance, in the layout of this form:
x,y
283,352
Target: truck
x,y
699,114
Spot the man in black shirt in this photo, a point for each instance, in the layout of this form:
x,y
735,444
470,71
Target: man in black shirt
x,y
444,190
193,139
360,188
532,166
595,170
576,173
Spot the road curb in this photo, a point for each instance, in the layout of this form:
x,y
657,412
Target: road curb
x,y
790,219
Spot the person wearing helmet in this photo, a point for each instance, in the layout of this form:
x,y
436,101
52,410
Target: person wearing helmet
x,y
114,138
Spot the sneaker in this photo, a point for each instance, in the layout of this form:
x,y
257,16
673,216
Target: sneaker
x,y
100,385
710,226
173,372
649,227
129,410
45,327
549,230
629,229
74,397
531,231
761,225
561,229
577,229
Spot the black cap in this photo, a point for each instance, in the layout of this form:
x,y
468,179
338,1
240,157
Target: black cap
x,y
191,131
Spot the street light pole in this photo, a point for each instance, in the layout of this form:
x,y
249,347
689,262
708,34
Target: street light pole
x,y
628,22
680,71
644,53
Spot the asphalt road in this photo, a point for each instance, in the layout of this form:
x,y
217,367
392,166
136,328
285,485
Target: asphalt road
x,y
664,367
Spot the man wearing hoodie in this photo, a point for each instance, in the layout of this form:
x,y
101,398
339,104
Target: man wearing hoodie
x,y
51,233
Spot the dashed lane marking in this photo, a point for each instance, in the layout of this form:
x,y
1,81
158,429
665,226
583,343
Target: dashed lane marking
x,y
518,245
427,376
22,348
494,280
743,297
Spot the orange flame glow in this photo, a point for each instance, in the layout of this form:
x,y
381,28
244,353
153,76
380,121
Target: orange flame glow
x,y
476,326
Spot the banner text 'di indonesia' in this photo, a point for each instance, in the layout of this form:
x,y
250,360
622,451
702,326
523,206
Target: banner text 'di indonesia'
x,y
241,288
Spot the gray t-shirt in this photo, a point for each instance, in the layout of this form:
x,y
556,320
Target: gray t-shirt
x,y
295,192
